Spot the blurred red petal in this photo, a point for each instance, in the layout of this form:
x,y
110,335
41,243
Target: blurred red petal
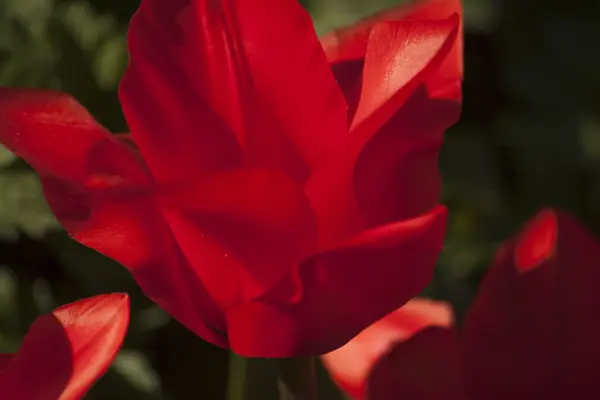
x,y
350,364
58,137
339,292
425,367
65,352
5,359
531,331
134,233
227,66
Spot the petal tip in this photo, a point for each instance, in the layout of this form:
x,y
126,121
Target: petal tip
x,y
537,241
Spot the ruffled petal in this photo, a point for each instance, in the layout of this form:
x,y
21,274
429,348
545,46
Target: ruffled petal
x,y
349,365
340,292
65,352
267,80
425,367
242,230
531,332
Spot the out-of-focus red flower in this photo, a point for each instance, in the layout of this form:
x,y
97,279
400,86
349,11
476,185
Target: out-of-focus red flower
x,y
264,199
531,334
66,351
350,365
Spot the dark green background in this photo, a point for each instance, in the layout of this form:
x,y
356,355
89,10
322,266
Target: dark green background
x,y
529,137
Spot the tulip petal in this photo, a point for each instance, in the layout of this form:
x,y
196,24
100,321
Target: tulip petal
x,y
242,230
65,352
58,137
526,334
5,359
134,233
267,79
400,56
396,175
350,364
425,367
346,49
340,292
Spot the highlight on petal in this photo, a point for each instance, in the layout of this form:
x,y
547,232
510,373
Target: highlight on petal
x,y
65,352
346,49
206,77
350,42
531,328
425,367
338,292
58,137
400,56
349,365
538,241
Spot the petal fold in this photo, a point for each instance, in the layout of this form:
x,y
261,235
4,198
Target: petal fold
x,y
339,292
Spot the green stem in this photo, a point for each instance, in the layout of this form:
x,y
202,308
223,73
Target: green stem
x,y
252,379
297,379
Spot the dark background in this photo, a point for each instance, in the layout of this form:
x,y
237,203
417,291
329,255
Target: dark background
x,y
529,137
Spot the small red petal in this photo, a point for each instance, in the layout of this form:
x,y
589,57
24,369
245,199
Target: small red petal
x,y
65,352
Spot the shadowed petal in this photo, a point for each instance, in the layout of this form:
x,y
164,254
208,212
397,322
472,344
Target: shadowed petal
x,y
531,332
350,364
425,367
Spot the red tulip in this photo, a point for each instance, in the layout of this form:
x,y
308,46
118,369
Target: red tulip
x,y
253,201
530,334
65,352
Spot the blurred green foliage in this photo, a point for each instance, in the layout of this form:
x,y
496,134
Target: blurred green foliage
x,y
529,137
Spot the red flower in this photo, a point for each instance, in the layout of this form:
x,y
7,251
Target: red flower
x,y
253,200
350,365
65,352
531,333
